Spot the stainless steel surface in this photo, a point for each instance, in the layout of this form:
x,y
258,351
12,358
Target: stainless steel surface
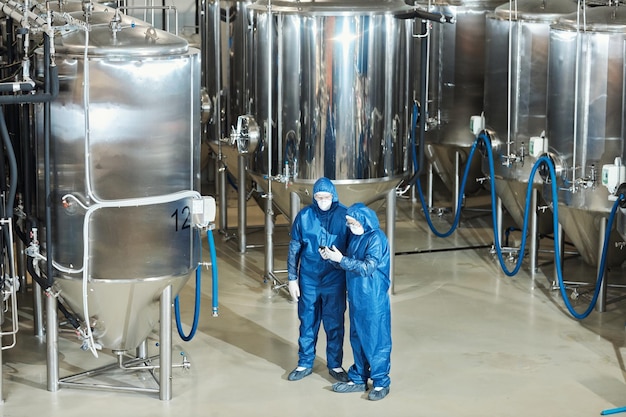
x,y
586,84
340,95
125,126
52,345
516,75
456,84
620,222
225,38
225,70
165,344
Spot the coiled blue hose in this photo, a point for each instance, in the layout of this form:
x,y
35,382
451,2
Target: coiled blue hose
x,y
455,223
483,137
196,309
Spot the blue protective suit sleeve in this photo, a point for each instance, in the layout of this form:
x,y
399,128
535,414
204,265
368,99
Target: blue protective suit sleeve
x,y
295,246
371,251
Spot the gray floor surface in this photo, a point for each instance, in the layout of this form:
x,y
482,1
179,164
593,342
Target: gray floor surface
x,y
468,341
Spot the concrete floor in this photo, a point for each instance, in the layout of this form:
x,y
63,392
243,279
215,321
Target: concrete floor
x,y
467,341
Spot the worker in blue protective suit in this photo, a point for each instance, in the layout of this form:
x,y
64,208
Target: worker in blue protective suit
x,y
366,262
317,286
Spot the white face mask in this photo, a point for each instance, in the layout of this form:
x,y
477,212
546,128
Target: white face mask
x,y
324,205
356,229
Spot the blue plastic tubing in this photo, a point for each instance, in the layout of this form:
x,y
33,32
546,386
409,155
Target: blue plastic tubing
x,y
196,309
544,160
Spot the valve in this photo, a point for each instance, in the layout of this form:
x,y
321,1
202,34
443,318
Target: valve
x,y
246,135
586,182
116,23
185,364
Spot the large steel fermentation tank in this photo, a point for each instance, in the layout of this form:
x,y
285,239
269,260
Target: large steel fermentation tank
x,y
587,121
455,87
515,102
125,160
332,77
226,36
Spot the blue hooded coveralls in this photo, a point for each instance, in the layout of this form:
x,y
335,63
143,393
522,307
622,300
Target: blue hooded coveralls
x,y
366,262
322,285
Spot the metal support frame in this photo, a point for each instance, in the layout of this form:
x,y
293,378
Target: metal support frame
x,y
601,302
457,184
391,235
430,186
140,363
534,241
241,204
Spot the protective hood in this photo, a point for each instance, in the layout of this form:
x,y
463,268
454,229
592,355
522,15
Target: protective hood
x,y
364,215
324,185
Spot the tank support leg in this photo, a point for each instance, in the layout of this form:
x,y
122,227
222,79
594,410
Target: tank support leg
x,y
269,236
52,344
560,244
241,200
601,304
37,311
165,345
142,350
534,242
391,234
499,220
430,187
457,182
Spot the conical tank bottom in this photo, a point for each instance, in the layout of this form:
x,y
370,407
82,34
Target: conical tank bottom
x,y
123,311
582,228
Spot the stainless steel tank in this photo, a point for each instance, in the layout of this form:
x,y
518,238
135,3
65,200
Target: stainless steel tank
x,y
515,104
125,161
338,82
226,34
226,38
587,120
456,86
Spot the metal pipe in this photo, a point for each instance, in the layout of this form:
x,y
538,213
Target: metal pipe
x,y
499,219
52,344
37,312
457,182
269,215
430,186
142,350
424,59
165,345
391,234
241,204
561,248
220,174
601,302
534,241
220,178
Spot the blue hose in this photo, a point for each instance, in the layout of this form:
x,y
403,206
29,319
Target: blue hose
x,y
419,186
555,217
196,310
209,236
557,254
